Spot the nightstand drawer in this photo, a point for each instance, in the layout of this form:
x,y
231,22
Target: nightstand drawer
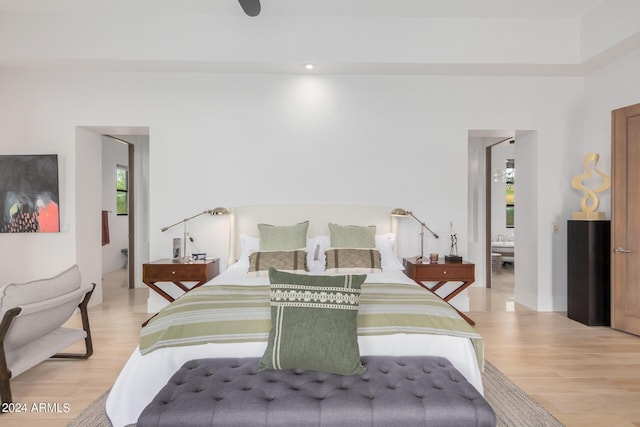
x,y
442,272
182,272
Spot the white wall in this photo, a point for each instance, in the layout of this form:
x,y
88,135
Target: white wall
x,y
229,140
141,185
530,257
88,173
611,87
114,153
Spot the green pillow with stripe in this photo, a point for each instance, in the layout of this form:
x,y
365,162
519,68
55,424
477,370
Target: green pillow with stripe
x,y
314,323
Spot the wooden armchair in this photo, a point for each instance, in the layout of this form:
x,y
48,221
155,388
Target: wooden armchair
x,y
32,315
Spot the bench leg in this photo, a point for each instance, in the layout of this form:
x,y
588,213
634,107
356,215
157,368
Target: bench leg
x,y
5,373
88,343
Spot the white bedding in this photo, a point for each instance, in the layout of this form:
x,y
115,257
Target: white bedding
x,y
143,376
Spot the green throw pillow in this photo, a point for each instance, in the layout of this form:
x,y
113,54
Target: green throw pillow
x,y
283,237
314,323
352,236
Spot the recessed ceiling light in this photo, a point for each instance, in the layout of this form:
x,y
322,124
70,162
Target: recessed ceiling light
x,y
308,66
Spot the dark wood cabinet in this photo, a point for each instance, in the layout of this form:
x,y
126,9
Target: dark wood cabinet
x,y
442,273
166,271
588,271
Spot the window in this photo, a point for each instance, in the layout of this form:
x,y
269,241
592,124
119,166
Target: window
x,y
510,181
122,187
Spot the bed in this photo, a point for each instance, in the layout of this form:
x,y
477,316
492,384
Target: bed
x,y
396,317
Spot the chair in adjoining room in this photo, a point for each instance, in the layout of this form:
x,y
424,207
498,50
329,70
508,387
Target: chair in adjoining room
x,y
32,315
496,263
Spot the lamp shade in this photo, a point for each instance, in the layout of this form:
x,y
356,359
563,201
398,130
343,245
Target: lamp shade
x,y
218,211
399,212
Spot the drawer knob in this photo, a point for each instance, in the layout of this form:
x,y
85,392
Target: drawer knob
x,y
444,272
173,272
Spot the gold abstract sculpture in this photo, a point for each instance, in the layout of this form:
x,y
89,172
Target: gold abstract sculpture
x,y
590,201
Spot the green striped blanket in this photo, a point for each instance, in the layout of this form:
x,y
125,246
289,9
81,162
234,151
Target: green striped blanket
x,y
233,313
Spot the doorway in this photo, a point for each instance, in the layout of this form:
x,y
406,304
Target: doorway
x,y
89,204
119,206
500,219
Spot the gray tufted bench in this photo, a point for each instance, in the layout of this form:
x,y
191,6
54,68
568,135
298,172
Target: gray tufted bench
x,y
395,391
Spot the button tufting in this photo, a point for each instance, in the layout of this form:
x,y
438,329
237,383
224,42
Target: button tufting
x,y
384,379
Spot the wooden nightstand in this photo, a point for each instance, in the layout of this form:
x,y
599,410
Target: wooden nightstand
x,y
442,272
166,271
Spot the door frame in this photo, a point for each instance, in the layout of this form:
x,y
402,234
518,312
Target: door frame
x,y
619,212
488,182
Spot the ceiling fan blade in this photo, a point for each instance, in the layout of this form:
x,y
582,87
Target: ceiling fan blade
x,y
250,7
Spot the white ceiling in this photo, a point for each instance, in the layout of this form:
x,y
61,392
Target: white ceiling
x,y
347,8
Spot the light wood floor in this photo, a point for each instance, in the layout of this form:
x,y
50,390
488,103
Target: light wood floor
x,y
585,376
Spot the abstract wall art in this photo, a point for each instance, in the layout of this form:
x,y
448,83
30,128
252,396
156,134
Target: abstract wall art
x,y
29,199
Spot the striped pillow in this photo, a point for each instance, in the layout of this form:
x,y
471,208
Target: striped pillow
x,y
342,260
314,323
291,261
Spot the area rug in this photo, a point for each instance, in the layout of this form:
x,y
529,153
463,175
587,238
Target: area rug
x,y
513,407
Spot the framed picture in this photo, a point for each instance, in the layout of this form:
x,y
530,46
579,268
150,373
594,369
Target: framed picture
x,y
29,196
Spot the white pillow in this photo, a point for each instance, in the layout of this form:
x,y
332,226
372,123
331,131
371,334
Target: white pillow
x,y
388,258
248,245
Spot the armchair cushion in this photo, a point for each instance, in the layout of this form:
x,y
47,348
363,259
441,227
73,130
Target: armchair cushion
x,y
18,294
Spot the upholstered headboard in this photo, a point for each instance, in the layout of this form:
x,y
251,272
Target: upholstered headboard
x,y
244,220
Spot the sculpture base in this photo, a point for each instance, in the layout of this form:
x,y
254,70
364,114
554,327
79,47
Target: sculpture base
x,y
453,259
588,215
